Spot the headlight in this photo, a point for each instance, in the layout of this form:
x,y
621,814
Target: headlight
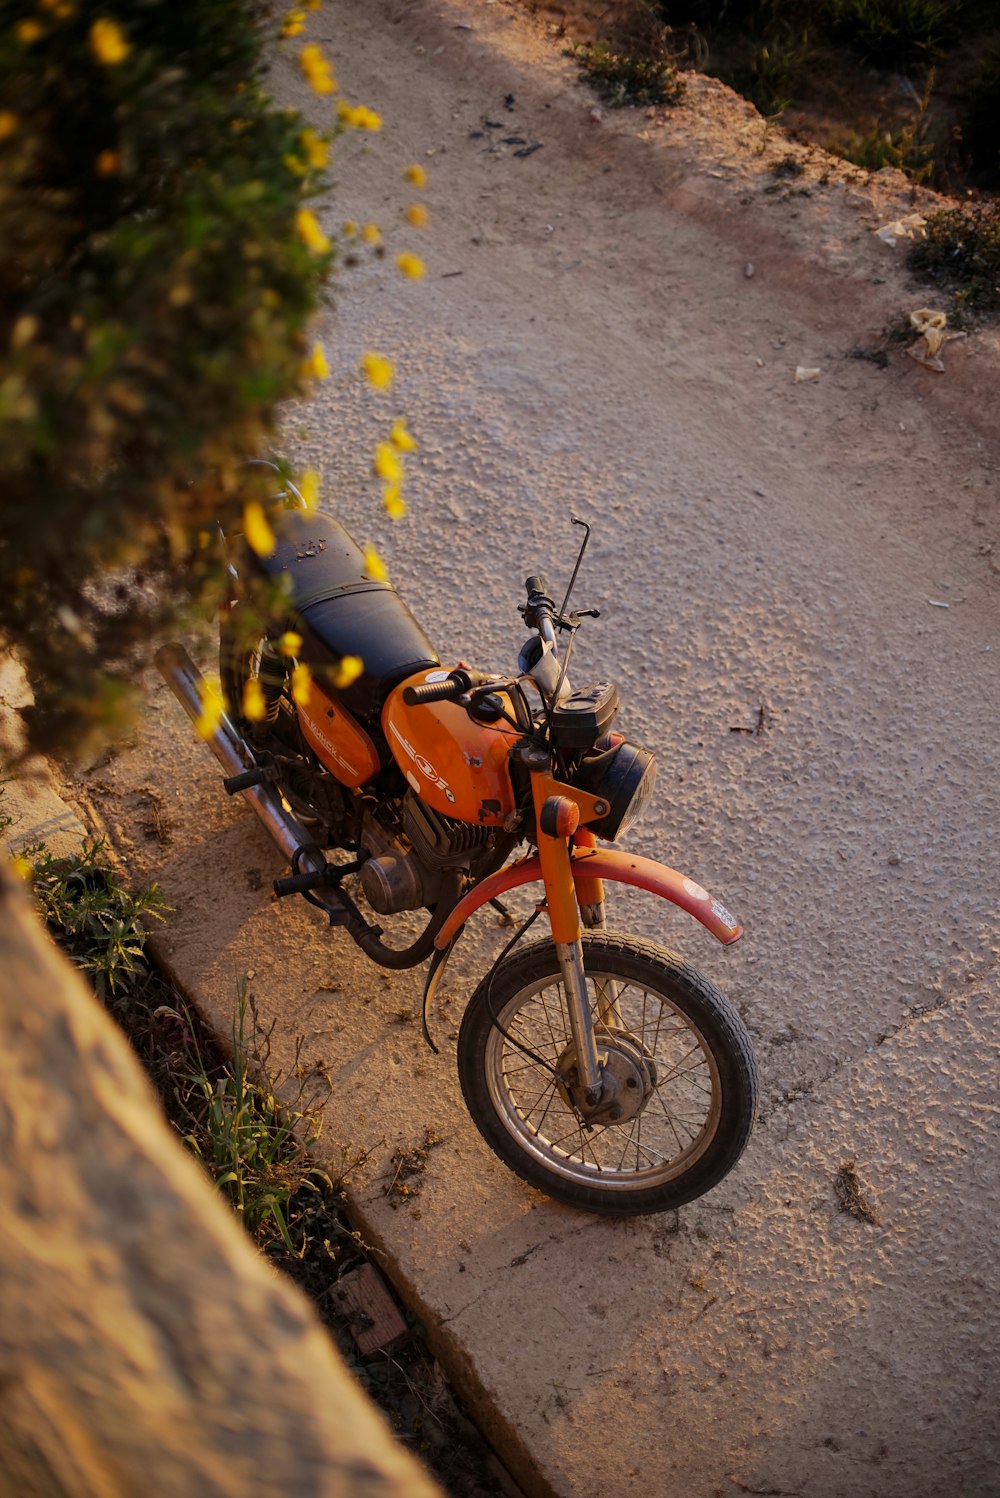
x,y
624,776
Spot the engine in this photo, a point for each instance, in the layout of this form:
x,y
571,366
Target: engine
x,y
406,863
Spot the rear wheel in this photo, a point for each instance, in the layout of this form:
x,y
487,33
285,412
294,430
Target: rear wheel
x,y
677,1055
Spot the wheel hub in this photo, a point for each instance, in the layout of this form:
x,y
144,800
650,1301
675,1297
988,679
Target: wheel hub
x,y
628,1077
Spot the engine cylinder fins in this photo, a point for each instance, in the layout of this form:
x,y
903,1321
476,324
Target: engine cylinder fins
x,y
441,841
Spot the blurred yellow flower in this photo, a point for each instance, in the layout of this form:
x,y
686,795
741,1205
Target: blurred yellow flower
x,y
359,116
388,464
371,234
416,215
401,437
23,867
108,164
107,42
317,69
393,501
290,643
308,227
316,367
378,369
416,175
294,23
211,709
8,124
374,565
349,228
349,669
308,487
301,685
28,32
260,537
295,165
254,707
411,265
316,149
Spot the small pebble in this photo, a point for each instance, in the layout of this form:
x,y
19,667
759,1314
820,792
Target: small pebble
x,y
894,859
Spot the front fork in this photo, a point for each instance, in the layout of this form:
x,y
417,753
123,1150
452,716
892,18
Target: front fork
x,y
571,907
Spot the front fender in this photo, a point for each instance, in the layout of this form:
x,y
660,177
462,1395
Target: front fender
x,y
617,868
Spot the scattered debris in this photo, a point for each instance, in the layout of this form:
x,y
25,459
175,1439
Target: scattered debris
x,y
851,1196
877,356
910,226
936,603
758,728
932,327
409,1166
802,374
157,824
749,270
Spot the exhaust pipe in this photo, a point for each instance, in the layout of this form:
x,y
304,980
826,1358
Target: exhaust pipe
x,y
236,757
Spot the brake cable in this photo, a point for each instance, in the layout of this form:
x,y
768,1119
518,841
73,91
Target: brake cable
x,y
494,1018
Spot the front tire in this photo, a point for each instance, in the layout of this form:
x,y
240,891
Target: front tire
x,y
689,1045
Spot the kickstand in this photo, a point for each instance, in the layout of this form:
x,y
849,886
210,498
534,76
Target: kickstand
x,y
506,919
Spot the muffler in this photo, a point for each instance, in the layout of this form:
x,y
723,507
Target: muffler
x,y
236,757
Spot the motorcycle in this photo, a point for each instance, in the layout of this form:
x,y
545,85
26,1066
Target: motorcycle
x,y
601,1068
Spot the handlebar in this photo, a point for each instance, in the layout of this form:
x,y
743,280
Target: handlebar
x,y
455,685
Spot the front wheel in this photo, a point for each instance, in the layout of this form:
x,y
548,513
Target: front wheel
x,y
670,1043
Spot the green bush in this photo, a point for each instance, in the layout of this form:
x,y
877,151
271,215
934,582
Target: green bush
x,y
623,78
962,251
155,289
895,33
980,117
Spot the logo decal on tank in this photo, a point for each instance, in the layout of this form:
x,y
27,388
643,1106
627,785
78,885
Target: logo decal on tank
x,y
423,765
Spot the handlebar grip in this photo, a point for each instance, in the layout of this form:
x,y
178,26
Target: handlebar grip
x,y
433,691
536,585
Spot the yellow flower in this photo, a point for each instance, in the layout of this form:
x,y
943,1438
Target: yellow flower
x,y
8,124
290,643
416,215
374,565
316,149
416,175
24,868
211,710
308,227
388,464
402,438
393,501
312,4
260,537
295,165
254,707
350,668
315,366
294,23
410,265
378,369
108,164
301,685
108,43
28,32
349,228
359,116
308,487
371,234
317,69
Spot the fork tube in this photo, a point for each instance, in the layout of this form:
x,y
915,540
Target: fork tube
x,y
564,917
593,913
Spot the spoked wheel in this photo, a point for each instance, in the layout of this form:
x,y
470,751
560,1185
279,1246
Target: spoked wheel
x,y
682,1077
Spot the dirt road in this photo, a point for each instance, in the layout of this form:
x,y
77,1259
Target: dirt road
x,y
610,326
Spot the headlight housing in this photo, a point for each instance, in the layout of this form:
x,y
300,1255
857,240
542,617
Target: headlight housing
x,y
622,774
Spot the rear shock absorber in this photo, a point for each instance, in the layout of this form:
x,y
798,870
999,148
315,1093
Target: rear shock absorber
x,y
271,678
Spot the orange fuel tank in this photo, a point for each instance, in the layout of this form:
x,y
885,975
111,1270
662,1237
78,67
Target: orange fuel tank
x,y
337,738
457,766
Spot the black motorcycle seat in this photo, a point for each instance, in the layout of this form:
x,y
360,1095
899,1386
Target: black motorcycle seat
x,y
341,609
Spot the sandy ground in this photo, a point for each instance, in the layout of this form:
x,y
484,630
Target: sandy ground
x,y
611,326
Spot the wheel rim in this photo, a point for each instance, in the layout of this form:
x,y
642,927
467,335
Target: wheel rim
x,y
662,1141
